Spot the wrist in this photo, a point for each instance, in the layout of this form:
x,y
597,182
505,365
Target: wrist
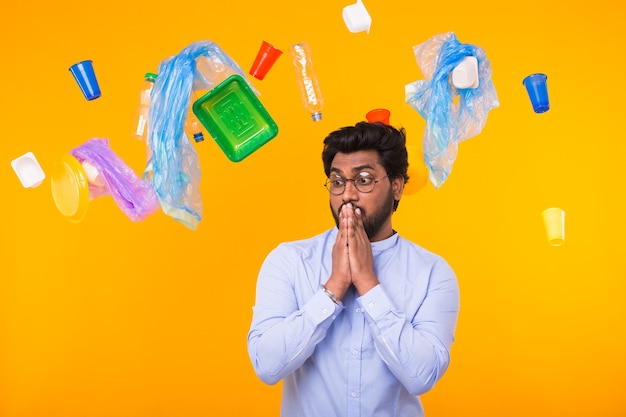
x,y
330,295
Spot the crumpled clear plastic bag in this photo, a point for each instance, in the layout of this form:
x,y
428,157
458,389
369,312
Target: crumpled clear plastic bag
x,y
173,166
135,197
448,122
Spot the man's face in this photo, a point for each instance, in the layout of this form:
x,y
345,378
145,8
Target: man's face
x,y
377,205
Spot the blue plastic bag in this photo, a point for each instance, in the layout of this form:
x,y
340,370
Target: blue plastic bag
x,y
173,165
448,123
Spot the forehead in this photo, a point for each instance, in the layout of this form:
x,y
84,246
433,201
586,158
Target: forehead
x,y
346,163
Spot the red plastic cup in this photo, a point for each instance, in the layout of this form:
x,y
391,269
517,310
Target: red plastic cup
x,y
378,115
264,60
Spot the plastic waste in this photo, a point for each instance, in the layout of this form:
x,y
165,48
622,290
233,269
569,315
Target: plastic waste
x,y
193,127
135,197
173,166
307,79
140,122
70,188
452,114
28,170
235,118
356,17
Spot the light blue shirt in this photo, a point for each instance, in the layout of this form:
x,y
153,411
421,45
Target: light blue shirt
x,y
371,357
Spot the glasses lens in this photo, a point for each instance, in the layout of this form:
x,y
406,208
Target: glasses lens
x,y
365,182
336,185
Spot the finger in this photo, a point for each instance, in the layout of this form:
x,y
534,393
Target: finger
x,y
348,221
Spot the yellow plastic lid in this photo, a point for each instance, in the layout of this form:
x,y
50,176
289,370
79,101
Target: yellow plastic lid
x,y
70,189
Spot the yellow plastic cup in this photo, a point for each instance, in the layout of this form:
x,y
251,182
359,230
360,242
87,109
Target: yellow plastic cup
x,y
554,221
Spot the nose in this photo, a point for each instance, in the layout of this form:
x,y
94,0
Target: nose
x,y
350,193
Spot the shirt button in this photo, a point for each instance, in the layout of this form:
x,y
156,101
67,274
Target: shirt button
x,y
371,305
358,310
353,394
354,351
324,311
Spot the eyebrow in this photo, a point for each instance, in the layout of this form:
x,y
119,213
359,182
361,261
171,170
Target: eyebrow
x,y
355,169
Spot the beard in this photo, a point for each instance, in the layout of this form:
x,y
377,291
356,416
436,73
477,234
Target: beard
x,y
374,221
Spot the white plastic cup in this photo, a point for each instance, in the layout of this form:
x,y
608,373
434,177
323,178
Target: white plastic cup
x,y
554,221
356,17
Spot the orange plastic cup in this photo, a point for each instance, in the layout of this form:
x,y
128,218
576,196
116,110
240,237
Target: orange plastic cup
x,y
378,115
264,60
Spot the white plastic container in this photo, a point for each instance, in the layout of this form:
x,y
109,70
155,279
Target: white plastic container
x,y
28,170
465,75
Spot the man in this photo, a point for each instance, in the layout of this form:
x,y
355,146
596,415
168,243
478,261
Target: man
x,y
356,321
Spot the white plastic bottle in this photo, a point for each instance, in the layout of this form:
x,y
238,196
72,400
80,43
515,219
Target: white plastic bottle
x,y
307,79
140,123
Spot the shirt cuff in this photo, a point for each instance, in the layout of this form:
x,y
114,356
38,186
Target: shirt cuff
x,y
321,308
376,303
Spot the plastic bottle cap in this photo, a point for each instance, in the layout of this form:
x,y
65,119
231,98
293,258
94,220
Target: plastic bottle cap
x,y
316,116
150,76
70,189
198,137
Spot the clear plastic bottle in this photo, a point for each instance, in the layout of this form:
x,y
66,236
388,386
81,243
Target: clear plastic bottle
x,y
193,127
307,79
140,123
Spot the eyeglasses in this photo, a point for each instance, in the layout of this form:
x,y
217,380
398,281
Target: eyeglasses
x,y
364,182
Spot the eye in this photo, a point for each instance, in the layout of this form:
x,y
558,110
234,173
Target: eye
x,y
365,178
337,182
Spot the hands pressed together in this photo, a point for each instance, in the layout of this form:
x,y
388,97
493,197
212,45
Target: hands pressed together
x,y
353,262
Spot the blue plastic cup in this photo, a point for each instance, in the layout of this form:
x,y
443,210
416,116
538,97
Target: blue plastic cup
x,y
86,78
538,92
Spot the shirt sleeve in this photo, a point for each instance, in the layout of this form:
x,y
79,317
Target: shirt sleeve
x,y
290,317
416,349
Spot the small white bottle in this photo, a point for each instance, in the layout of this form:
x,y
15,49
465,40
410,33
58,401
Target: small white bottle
x,y
140,123
307,79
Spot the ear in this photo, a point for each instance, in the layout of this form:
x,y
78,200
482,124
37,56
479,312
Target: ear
x,y
397,185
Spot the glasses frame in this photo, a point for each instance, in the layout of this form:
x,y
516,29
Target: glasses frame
x,y
345,180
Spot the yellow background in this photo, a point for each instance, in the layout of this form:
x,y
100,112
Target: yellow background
x,y
115,318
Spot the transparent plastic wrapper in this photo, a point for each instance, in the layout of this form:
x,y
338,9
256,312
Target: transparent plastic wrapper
x,y
135,197
448,122
173,166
